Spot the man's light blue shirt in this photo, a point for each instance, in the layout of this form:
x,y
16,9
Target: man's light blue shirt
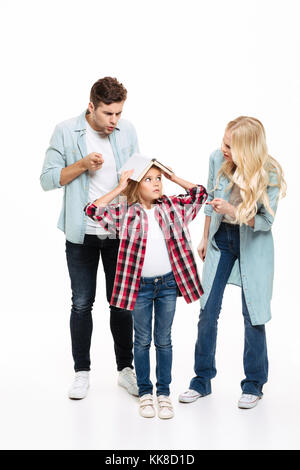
x,y
67,146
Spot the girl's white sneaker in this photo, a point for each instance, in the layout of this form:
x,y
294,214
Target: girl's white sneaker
x,y
147,409
165,408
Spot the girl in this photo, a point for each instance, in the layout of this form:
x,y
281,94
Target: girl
x,y
155,264
244,185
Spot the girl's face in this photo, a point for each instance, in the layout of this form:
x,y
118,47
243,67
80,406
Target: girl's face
x,y
226,146
150,187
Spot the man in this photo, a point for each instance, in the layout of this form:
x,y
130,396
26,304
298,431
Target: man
x,y
84,156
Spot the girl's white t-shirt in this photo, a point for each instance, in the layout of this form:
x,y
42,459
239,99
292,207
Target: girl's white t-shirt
x,y
157,261
101,181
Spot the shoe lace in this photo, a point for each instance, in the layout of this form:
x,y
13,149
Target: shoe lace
x,y
247,396
189,393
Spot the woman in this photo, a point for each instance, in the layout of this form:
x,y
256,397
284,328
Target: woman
x,y
155,264
244,186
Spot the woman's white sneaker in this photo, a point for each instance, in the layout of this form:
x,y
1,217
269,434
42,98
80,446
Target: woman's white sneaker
x,y
146,408
80,385
165,408
248,401
189,396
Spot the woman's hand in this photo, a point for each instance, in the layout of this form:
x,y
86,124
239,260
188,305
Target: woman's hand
x,y
124,179
202,249
222,207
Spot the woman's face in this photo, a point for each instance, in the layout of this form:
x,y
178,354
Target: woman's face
x,y
226,146
150,187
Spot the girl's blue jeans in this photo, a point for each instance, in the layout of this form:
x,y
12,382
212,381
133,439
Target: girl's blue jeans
x,y
255,348
158,293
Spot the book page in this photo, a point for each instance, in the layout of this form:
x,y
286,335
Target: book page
x,y
138,163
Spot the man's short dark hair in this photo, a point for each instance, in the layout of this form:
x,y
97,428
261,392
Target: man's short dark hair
x,y
107,90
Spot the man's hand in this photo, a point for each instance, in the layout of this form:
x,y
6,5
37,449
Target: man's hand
x,y
93,161
124,179
222,207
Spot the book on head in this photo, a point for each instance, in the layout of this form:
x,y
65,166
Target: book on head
x,y
141,164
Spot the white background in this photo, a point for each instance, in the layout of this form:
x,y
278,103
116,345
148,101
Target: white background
x,y
189,68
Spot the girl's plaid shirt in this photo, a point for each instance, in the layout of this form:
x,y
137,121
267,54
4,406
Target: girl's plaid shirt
x,y
130,225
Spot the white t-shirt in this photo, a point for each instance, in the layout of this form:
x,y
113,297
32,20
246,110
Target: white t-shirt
x,y
157,261
101,181
235,199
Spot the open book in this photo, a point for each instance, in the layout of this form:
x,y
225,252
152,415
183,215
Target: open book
x,y
141,164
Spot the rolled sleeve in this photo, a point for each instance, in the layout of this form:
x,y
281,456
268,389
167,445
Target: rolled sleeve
x,y
262,223
110,217
208,210
54,162
264,220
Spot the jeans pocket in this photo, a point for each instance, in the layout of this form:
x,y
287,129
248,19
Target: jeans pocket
x,y
171,284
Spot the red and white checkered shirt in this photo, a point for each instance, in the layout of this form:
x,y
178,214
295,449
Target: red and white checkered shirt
x,y
130,224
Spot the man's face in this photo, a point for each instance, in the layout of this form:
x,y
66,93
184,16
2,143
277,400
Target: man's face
x,y
105,117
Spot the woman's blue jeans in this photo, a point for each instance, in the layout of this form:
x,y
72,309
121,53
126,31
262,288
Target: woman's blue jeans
x,y
161,293
255,348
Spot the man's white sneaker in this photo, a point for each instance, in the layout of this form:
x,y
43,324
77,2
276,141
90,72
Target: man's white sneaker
x,y
127,379
189,396
165,408
146,406
80,385
248,401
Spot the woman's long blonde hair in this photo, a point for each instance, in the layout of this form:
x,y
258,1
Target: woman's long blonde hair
x,y
251,167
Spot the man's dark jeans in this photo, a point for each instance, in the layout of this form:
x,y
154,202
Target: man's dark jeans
x,y
255,348
83,263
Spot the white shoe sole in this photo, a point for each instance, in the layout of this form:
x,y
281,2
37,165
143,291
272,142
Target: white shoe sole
x,y
73,396
166,417
152,415
247,406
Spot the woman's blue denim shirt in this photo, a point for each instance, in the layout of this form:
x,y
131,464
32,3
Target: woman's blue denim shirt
x,y
255,270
